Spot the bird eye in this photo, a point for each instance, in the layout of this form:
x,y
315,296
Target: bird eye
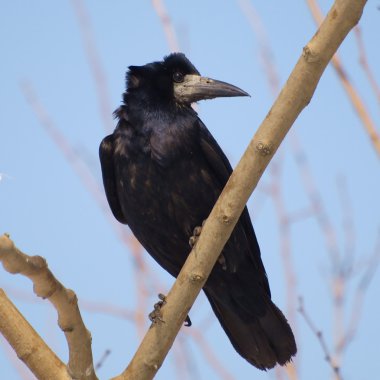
x,y
178,77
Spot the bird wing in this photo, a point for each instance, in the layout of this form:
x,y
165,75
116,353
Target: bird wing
x,y
222,169
215,156
106,154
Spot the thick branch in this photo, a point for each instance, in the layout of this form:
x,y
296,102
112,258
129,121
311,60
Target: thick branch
x,y
29,346
78,338
296,94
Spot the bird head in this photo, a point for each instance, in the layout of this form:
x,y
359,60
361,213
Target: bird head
x,y
176,80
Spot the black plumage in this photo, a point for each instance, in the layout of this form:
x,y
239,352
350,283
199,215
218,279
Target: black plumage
x,y
162,172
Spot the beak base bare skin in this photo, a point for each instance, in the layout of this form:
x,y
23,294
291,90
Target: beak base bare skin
x,y
195,87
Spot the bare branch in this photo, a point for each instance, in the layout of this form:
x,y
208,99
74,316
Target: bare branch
x,y
320,338
87,178
45,285
209,354
266,54
317,205
94,62
359,296
348,227
285,243
63,144
166,22
296,94
29,346
364,62
352,93
101,361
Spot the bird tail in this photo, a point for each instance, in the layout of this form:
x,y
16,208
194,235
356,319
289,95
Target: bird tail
x,y
263,340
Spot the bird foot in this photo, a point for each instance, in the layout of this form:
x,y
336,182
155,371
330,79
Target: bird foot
x,y
156,316
196,233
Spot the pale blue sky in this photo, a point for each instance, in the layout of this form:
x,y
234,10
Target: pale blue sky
x,y
48,211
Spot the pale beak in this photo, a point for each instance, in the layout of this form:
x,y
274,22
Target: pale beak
x,y
195,87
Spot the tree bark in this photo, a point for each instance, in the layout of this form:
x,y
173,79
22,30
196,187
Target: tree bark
x,y
64,300
294,97
29,346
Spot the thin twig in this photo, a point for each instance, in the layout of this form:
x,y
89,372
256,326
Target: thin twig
x,y
166,22
179,360
212,360
94,62
63,144
352,93
348,227
88,180
285,248
364,62
359,296
102,359
318,207
320,338
266,54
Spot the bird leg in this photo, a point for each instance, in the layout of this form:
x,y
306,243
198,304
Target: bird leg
x,y
156,315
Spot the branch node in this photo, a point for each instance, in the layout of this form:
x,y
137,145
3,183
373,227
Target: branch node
x,y
66,329
226,219
25,353
155,366
37,262
309,55
263,148
45,289
196,277
72,297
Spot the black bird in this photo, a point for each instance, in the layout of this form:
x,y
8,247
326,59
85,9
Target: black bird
x,y
162,172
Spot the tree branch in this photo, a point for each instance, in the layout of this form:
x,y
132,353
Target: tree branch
x,y
29,346
64,300
295,96
321,340
348,86
167,24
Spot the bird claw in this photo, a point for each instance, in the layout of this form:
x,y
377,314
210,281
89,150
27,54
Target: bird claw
x,y
222,261
196,233
192,241
156,316
188,322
